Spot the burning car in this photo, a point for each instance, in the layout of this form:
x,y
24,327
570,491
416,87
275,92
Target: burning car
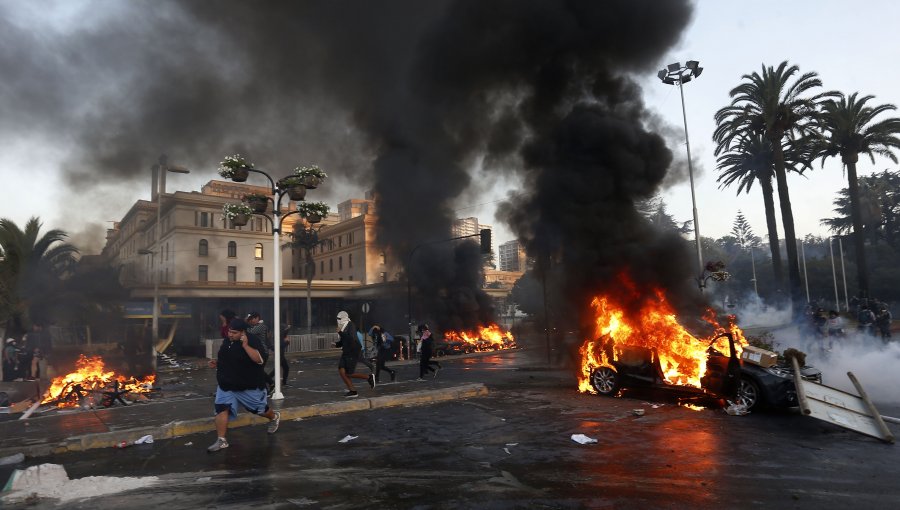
x,y
725,376
638,342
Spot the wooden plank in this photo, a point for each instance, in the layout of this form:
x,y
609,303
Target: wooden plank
x,y
885,432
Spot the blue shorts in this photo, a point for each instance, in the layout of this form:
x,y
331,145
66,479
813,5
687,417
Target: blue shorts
x,y
254,401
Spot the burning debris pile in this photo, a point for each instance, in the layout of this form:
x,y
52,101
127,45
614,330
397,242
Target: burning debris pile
x,y
485,338
91,381
650,322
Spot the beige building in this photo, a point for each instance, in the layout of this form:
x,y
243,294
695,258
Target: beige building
x,y
512,256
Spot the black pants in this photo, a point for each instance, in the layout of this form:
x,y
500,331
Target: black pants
x,y
285,370
425,363
382,357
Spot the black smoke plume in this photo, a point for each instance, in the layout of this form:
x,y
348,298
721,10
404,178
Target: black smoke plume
x,y
402,96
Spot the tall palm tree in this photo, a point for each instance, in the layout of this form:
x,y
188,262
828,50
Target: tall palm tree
x,y
848,129
32,270
770,104
307,239
750,159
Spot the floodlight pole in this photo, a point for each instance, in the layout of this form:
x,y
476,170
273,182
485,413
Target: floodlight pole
x,y
678,75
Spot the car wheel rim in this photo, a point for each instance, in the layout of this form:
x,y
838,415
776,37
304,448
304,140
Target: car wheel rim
x,y
747,394
604,380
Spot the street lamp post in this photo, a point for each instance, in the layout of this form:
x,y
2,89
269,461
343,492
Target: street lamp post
x,y
160,168
278,191
676,74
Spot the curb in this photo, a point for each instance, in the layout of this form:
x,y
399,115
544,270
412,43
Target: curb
x,y
186,427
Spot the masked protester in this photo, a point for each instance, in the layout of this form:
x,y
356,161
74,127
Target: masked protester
x,y
384,346
350,354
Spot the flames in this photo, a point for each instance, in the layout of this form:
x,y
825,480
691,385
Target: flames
x,y
485,338
91,378
650,323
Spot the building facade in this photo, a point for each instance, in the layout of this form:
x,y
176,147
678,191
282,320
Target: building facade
x,y
512,256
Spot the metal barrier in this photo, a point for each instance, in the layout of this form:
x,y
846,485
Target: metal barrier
x,y
297,343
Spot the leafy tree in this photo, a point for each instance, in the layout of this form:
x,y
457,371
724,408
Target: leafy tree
x,y
849,129
770,105
654,209
879,196
32,272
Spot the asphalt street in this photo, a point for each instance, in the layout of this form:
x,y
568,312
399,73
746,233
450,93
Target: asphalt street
x,y
512,448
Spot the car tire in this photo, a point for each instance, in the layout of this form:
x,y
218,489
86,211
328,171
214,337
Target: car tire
x,y
605,381
749,394
439,353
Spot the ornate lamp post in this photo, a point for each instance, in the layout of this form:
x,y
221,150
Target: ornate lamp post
x,y
676,74
294,187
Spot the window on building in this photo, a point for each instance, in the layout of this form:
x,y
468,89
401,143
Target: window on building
x,y
205,219
340,241
259,224
203,273
321,266
383,276
350,238
330,265
258,274
340,263
232,274
350,260
232,249
203,249
383,258
258,251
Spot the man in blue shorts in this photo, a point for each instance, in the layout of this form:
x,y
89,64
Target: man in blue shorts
x,y
241,380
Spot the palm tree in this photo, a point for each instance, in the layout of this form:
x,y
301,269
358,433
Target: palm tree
x,y
307,239
750,160
768,103
848,129
32,270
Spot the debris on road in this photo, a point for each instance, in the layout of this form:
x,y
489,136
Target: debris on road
x,y
637,412
736,409
52,481
12,459
347,439
583,439
148,439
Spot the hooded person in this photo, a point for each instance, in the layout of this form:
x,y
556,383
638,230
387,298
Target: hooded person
x,y
426,342
240,380
384,349
350,354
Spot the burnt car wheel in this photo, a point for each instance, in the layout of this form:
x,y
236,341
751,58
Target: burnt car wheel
x,y
605,380
748,394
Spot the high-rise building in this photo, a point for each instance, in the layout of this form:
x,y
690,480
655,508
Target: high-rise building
x,y
512,256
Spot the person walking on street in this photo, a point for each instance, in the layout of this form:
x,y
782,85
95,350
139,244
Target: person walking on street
x,y
427,345
350,354
384,344
259,329
883,321
865,320
241,380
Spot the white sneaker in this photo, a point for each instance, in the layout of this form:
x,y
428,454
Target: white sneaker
x,y
273,424
220,444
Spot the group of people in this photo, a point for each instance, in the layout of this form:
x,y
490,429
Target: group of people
x,y
872,318
25,359
242,380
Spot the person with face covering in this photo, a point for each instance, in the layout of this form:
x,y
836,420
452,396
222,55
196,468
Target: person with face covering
x,y
350,354
425,363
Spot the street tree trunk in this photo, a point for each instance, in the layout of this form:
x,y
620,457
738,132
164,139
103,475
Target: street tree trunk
x,y
787,218
772,229
862,276
310,272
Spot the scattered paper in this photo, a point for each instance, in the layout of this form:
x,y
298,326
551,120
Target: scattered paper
x,y
737,410
144,440
189,443
507,451
583,439
512,444
347,439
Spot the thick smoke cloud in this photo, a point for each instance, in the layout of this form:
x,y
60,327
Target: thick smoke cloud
x,y
403,96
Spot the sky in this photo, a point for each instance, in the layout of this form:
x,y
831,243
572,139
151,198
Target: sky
x,y
851,46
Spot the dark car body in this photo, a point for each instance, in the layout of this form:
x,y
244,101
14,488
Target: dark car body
x,y
727,376
445,347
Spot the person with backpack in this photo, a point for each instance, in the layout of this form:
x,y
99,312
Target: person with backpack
x,y
427,345
865,320
384,344
883,321
350,354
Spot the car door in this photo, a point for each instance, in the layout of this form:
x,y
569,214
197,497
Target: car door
x,y
723,369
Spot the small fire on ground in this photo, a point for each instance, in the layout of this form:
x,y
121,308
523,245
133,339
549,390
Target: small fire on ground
x,y
485,338
650,322
91,379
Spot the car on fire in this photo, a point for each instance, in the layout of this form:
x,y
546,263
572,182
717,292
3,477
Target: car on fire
x,y
727,376
444,347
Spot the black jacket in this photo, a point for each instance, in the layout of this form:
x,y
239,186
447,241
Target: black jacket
x,y
235,370
348,341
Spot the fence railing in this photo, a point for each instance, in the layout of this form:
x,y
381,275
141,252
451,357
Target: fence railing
x,y
298,343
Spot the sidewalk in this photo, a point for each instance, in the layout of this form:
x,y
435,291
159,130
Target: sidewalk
x,y
178,413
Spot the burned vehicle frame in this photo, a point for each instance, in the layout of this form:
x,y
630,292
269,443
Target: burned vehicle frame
x,y
726,377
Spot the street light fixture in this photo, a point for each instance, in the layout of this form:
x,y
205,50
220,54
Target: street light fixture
x,y
160,169
278,191
676,74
